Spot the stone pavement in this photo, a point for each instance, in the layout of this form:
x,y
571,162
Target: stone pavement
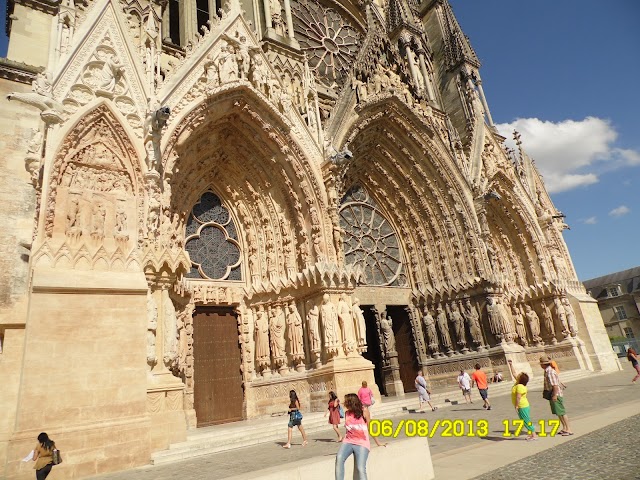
x,y
586,397
608,453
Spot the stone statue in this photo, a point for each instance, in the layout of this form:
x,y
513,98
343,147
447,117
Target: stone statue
x,y
152,325
110,74
508,328
242,49
277,21
495,322
35,144
562,315
360,88
259,74
345,318
361,325
547,320
518,318
386,325
121,221
443,327
430,330
294,333
276,330
170,330
227,64
572,323
261,334
313,318
473,320
458,324
330,323
73,216
534,324
98,216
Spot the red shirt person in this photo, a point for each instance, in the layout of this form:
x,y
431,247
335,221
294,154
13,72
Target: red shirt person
x,y
480,379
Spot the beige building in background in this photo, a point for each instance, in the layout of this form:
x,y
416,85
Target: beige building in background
x,y
618,296
206,206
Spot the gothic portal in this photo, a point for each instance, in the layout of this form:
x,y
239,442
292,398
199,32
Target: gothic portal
x,y
212,201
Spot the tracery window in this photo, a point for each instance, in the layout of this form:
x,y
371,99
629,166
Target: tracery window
x,y
328,38
370,241
212,241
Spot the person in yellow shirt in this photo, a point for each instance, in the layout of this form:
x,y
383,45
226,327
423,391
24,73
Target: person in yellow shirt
x,y
520,401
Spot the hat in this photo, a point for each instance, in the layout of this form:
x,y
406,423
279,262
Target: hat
x,y
544,360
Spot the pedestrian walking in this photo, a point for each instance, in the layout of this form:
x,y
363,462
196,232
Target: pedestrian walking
x,y
632,356
521,402
356,440
479,378
366,395
335,414
43,456
553,393
424,395
464,382
295,419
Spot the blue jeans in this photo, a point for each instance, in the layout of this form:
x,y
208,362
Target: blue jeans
x,y
360,463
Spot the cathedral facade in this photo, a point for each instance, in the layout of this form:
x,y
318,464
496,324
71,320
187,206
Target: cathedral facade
x,y
210,204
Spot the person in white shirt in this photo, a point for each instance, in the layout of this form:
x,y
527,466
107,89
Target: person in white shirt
x,y
464,381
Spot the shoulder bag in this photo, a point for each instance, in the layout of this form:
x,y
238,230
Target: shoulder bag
x,y
56,457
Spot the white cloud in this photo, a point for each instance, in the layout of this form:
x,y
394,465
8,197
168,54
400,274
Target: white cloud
x,y
567,152
619,211
590,221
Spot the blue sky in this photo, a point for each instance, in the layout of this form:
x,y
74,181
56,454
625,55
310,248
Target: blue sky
x,y
566,75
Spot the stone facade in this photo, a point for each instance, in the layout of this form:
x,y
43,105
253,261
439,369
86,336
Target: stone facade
x,y
327,175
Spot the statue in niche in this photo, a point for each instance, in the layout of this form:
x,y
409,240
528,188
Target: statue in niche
x,y
361,325
277,21
330,323
170,331
294,333
458,324
473,319
110,73
317,246
313,318
121,222
345,318
380,79
561,315
276,331
98,216
35,144
386,325
227,63
261,333
534,324
507,322
443,327
495,321
211,74
430,329
360,88
547,320
518,318
152,325
274,89
571,317
74,226
285,102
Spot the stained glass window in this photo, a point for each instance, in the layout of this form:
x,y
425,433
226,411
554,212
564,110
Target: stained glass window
x,y
370,241
212,241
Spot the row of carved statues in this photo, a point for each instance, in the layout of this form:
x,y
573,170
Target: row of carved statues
x,y
453,324
279,333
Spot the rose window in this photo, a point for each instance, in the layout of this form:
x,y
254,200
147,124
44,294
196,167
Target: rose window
x,y
212,241
329,40
370,241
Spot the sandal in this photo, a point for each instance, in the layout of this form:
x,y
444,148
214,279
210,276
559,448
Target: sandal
x,y
566,434
286,445
531,438
434,409
305,443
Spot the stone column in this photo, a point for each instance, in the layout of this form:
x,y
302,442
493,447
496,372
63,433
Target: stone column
x,y
484,102
391,367
189,19
267,16
289,19
165,29
427,79
212,10
412,66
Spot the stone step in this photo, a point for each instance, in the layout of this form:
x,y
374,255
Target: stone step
x,y
219,438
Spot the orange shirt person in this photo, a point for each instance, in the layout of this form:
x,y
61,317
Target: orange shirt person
x,y
480,379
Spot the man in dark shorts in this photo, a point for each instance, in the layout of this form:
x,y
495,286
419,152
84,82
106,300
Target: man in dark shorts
x,y
480,379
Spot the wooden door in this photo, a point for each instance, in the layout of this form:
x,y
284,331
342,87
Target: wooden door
x,y
407,358
217,390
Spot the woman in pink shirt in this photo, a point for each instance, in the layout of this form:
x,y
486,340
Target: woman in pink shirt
x,y
356,440
365,395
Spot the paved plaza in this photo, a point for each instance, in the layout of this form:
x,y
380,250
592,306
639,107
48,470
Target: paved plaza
x,y
593,404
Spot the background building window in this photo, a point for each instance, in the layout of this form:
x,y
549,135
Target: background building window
x,y
613,291
620,312
628,332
